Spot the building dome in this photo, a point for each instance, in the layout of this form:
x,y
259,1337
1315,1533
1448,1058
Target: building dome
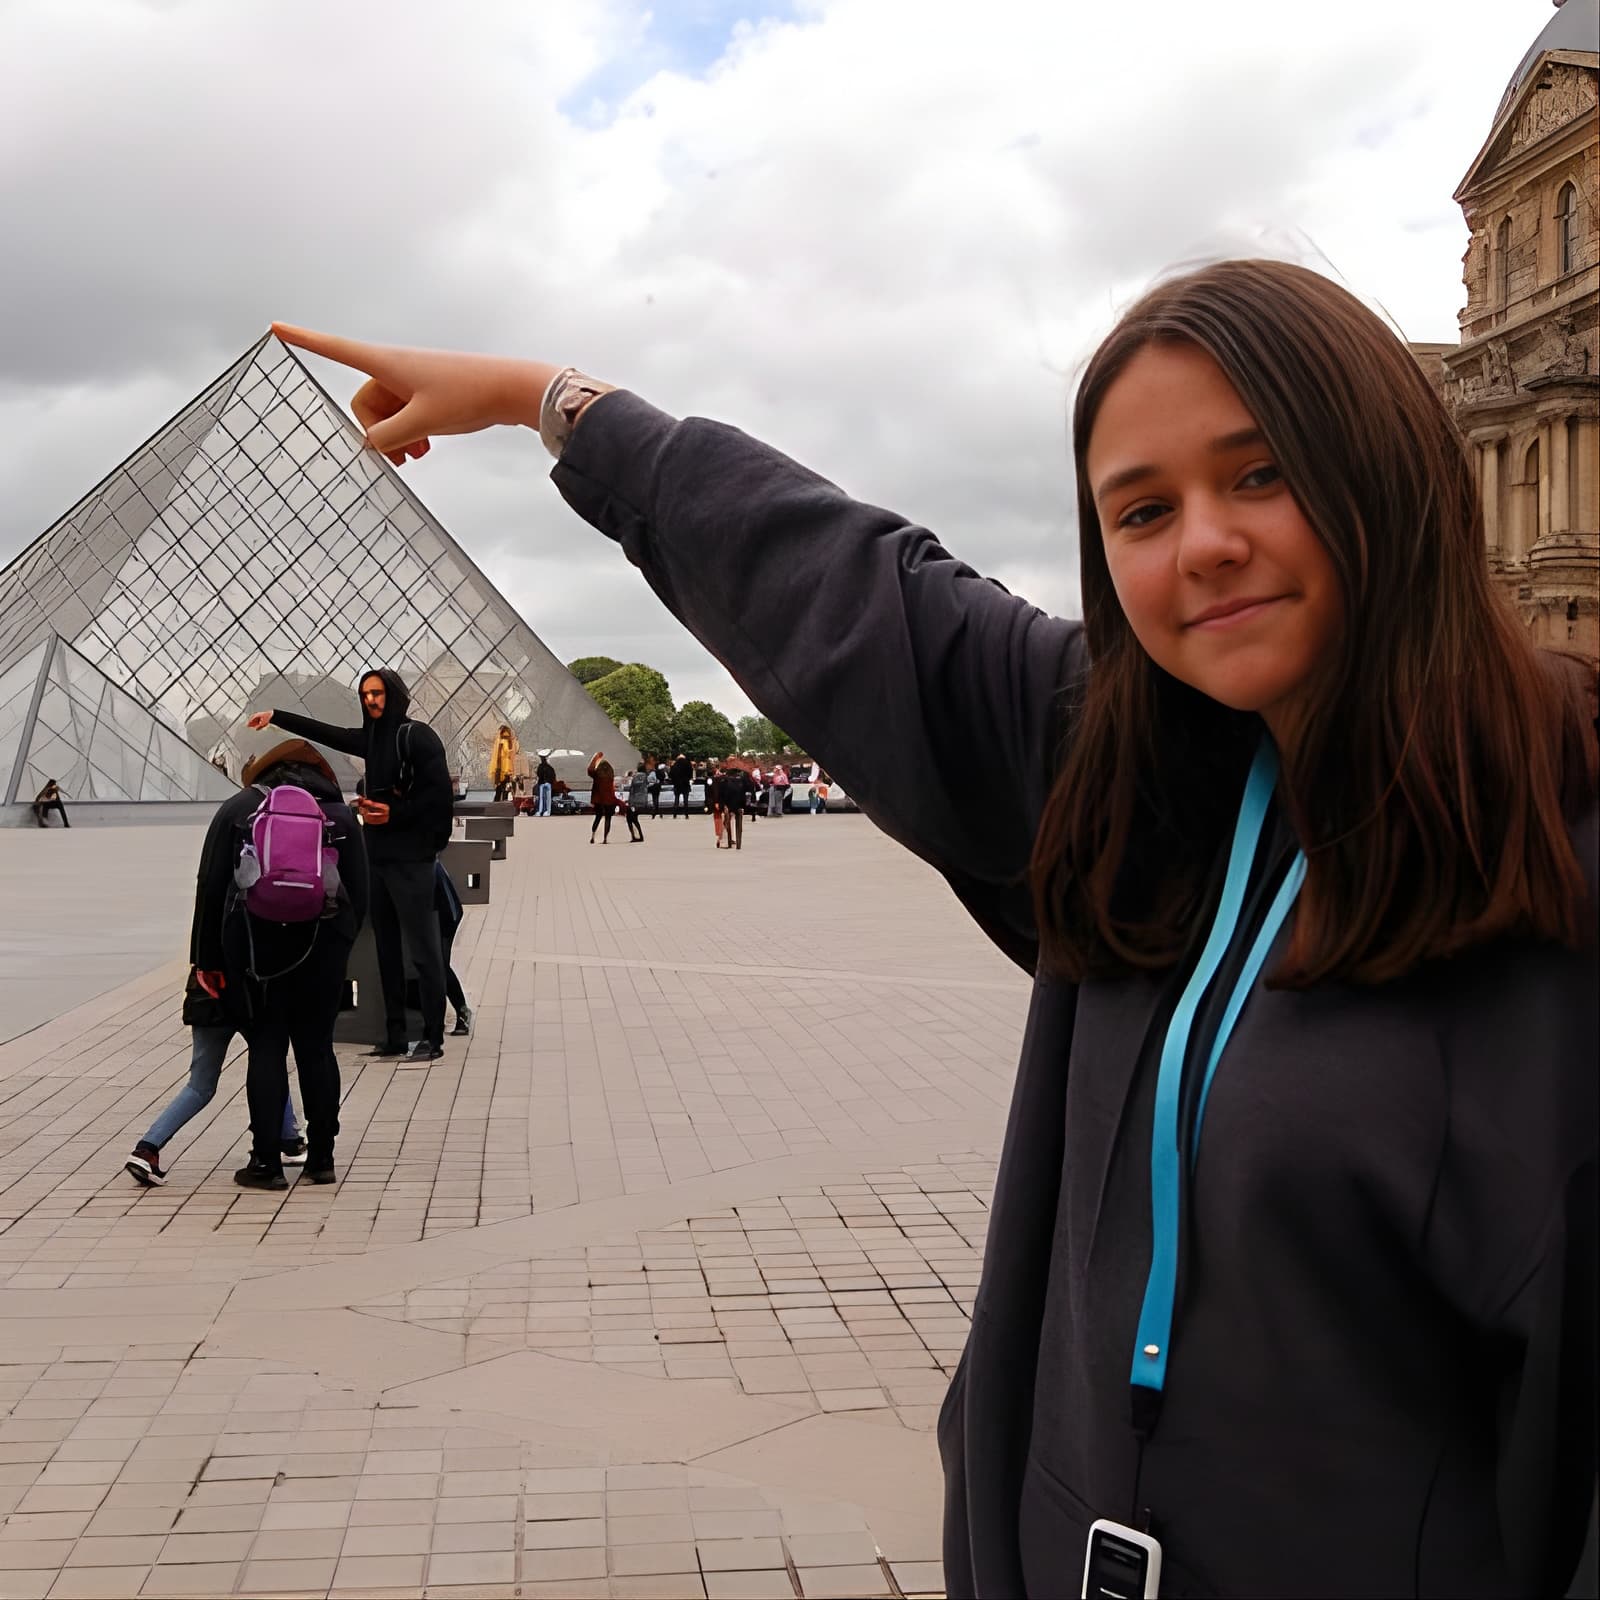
x,y
1575,26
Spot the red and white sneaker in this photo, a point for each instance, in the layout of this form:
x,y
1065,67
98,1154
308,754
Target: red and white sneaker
x,y
145,1165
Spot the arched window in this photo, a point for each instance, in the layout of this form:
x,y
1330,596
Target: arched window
x,y
1531,506
1502,263
1567,229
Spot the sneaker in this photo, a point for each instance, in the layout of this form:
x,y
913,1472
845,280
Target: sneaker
x,y
321,1171
294,1152
420,1054
463,1023
258,1175
383,1051
145,1165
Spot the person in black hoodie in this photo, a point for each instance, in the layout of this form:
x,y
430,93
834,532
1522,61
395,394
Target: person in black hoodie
x,y
682,775
280,983
407,811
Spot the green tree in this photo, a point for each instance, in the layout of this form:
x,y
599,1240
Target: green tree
x,y
587,668
761,736
653,733
633,692
701,731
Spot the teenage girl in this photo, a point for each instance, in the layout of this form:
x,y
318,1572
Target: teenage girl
x,y
1290,1277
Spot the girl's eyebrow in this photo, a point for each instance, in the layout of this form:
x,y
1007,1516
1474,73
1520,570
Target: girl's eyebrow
x,y
1219,446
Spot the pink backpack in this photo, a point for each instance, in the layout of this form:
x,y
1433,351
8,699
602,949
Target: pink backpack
x,y
288,869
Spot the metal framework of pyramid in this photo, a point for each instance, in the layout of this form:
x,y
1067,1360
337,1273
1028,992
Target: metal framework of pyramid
x,y
255,554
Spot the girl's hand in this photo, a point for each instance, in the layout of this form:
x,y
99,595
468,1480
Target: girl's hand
x,y
411,395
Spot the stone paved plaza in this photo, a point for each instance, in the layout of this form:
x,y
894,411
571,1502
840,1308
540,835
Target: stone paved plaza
x,y
649,1288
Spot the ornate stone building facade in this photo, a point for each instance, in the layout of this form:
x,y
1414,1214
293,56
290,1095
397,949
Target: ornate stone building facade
x,y
1524,382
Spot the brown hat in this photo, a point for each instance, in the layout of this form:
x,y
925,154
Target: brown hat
x,y
287,750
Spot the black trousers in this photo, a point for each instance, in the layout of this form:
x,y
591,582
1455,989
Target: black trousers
x,y
502,789
733,827
298,1010
405,923
40,807
635,830
655,801
680,802
606,813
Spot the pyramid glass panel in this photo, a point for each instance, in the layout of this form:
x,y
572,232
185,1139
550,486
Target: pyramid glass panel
x,y
255,554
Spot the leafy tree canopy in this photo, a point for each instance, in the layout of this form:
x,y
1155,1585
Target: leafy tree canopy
x,y
632,692
587,668
702,732
762,736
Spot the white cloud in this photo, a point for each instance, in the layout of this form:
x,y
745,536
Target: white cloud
x,y
882,235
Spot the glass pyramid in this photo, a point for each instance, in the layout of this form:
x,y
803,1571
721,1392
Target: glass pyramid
x,y
255,554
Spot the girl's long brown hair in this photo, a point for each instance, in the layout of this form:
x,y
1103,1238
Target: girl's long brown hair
x,y
1439,756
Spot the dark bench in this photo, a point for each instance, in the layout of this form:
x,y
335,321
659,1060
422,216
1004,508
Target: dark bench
x,y
467,862
497,830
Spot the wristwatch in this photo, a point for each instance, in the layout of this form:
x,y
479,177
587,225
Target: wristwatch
x,y
564,400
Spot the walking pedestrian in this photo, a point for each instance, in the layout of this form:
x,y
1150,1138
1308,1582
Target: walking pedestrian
x,y
713,787
47,800
1290,1280
637,791
682,775
777,788
211,1031
603,795
503,762
652,769
406,812
448,909
734,790
280,896
546,776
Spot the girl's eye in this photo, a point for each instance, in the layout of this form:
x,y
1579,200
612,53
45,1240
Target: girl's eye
x,y
1260,477
1141,516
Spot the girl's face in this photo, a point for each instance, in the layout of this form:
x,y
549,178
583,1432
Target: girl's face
x,y
1219,574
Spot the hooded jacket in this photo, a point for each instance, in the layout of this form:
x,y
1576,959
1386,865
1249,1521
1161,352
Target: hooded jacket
x,y
217,935
1383,1375
414,782
681,773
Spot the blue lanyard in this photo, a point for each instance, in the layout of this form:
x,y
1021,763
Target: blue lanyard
x,y
1152,1345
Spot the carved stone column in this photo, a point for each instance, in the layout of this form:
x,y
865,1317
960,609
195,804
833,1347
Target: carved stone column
x,y
1489,494
1560,502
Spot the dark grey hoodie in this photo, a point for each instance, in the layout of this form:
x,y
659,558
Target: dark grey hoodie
x,y
1382,1380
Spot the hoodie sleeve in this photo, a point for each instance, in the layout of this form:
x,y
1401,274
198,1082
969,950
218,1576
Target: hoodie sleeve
x,y
213,882
350,741
853,629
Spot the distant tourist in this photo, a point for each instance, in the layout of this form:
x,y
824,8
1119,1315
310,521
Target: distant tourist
x,y
407,815
545,775
681,773
503,762
734,788
282,891
777,789
49,799
652,774
602,795
638,792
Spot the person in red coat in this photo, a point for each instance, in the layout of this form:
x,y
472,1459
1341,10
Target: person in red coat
x,y
603,796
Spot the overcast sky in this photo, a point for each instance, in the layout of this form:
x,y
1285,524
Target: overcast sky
x,y
881,234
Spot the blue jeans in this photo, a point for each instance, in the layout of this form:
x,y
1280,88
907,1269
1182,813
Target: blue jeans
x,y
544,799
205,1068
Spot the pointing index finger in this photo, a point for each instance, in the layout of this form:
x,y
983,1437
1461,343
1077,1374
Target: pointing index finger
x,y
372,359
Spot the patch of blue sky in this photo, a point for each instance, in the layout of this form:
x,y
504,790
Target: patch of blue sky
x,y
684,36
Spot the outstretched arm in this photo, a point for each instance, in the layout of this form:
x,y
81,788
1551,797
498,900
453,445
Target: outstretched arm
x,y
853,629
